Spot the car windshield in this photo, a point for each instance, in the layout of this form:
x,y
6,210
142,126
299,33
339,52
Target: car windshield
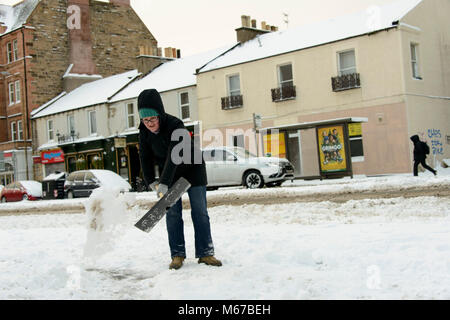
x,y
241,152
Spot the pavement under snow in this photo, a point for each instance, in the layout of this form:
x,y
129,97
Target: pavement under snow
x,y
389,248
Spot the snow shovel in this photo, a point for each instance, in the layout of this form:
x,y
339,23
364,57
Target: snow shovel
x,y
159,209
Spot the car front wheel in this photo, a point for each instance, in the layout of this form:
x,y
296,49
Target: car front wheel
x,y
24,197
253,180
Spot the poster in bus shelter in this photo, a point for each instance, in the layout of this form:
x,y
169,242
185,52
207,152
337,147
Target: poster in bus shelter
x,y
332,153
274,145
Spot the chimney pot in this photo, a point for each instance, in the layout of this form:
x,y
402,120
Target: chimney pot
x,y
245,21
253,23
168,52
263,25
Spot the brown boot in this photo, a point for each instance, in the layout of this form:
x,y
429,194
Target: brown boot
x,y
210,260
177,263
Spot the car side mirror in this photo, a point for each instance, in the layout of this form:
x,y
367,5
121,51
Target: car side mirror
x,y
231,158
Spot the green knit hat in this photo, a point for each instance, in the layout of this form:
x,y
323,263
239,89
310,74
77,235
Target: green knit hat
x,y
147,112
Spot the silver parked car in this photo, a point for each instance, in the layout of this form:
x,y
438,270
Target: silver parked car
x,y
232,166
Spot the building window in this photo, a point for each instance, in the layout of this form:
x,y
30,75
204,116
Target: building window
x,y
19,130
130,116
92,123
17,87
356,146
13,131
415,61
9,52
184,106
11,93
15,51
234,98
285,77
50,133
71,125
286,88
238,141
94,161
234,86
346,62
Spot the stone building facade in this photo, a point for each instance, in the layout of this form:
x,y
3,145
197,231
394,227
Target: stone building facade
x,y
55,41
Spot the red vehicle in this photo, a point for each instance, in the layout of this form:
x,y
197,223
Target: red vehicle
x,y
21,190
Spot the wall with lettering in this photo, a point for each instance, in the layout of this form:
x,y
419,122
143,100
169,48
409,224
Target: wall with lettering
x,y
436,140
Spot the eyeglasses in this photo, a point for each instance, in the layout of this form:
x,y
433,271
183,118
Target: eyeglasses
x,y
152,120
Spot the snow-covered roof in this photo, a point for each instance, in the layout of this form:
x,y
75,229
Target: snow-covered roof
x,y
88,94
13,17
171,75
271,44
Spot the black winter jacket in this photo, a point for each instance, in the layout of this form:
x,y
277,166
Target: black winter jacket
x,y
156,149
419,148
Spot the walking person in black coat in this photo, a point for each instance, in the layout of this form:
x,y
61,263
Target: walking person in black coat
x,y
421,150
156,131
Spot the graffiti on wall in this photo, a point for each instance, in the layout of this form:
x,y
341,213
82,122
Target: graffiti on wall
x,y
437,146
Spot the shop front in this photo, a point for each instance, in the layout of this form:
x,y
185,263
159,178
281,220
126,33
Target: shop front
x,y
52,161
119,154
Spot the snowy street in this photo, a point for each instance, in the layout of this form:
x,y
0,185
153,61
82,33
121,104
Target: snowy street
x,y
388,248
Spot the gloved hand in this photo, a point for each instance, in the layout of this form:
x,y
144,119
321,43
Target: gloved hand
x,y
161,190
154,186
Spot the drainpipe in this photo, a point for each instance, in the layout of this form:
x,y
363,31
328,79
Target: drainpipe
x,y
27,114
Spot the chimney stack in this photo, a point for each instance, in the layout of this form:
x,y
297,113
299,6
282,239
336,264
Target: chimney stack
x,y
168,52
249,31
149,58
82,68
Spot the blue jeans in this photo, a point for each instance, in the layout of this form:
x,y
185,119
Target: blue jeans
x,y
199,213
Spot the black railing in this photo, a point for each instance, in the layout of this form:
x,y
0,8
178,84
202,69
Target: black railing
x,y
232,102
68,138
345,82
283,93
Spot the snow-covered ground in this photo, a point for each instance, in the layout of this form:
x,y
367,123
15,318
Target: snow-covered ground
x,y
393,248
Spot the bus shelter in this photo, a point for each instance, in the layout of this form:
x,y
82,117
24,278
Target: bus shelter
x,y
319,149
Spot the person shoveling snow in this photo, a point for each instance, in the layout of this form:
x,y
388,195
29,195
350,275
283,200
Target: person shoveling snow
x,y
156,146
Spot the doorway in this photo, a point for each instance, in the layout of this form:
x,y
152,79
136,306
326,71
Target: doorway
x,y
135,165
294,151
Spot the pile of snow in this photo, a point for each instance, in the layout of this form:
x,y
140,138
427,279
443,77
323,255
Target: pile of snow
x,y
106,213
